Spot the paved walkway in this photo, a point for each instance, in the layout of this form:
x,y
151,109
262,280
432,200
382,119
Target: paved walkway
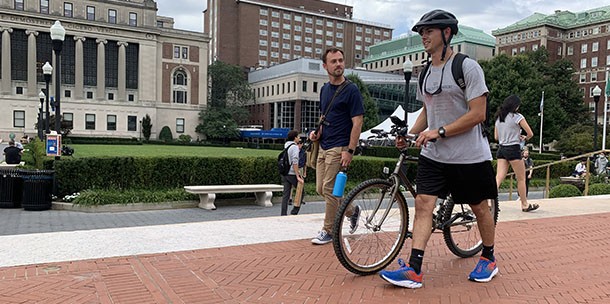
x,y
558,254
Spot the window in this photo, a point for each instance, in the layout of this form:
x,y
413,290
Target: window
x,y
594,46
304,88
608,60
534,47
570,50
90,13
262,53
19,119
133,19
89,95
298,18
275,14
593,62
131,97
68,119
185,52
583,48
180,88
263,12
308,20
111,122
132,123
287,16
176,52
262,32
583,63
179,125
315,87
44,6
112,17
593,76
19,90
67,93
275,24
19,5
89,121
319,22
608,44
262,22
287,26
160,23
67,9
110,96
583,77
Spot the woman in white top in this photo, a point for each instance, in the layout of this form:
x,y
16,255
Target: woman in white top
x,y
509,123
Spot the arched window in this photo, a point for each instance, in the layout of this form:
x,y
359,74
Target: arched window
x,y
180,87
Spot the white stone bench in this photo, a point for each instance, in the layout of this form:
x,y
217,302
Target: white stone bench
x,y
5,165
207,194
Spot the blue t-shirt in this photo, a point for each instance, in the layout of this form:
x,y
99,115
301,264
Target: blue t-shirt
x,y
347,104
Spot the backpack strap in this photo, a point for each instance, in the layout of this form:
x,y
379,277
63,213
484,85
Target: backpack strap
x,y
458,71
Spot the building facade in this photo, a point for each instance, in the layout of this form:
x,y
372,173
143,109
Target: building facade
x,y
288,95
582,38
119,62
263,33
390,56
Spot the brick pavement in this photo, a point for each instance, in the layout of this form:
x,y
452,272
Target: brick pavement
x,y
552,260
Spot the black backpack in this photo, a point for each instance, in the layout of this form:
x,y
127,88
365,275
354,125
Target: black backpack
x,y
283,161
458,75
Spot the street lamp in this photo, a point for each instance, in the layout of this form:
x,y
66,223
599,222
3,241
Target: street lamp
x,y
42,97
47,71
407,68
58,34
596,93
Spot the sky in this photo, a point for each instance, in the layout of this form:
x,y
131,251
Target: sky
x,y
400,15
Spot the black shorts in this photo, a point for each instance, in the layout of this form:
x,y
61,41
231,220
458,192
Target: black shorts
x,y
467,183
512,152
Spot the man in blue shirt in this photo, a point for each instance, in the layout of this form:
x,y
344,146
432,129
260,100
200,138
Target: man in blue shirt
x,y
338,136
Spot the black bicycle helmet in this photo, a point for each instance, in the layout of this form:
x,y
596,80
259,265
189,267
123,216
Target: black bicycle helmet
x,y
438,19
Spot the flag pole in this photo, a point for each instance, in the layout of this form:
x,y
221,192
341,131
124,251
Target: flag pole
x,y
541,120
606,110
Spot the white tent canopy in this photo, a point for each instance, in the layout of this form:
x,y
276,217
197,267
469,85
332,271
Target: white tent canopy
x,y
386,125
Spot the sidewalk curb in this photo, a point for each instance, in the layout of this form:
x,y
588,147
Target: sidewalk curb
x,y
123,208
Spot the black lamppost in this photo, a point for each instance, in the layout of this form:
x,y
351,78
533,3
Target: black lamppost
x,y
596,93
47,71
58,34
407,68
42,97
140,130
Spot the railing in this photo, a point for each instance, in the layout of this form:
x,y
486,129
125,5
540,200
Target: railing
x,y
548,172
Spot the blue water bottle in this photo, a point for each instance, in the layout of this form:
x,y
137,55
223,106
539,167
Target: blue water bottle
x,y
340,181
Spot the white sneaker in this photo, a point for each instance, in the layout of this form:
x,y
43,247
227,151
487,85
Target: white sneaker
x,y
322,238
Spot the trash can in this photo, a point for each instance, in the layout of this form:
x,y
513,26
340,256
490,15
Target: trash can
x,y
11,187
37,190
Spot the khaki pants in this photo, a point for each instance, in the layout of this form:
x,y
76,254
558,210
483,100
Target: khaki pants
x,y
327,167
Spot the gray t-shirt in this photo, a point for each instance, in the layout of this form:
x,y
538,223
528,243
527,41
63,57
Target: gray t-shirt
x,y
293,155
509,130
444,108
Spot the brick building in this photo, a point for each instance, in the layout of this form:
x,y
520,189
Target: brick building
x,y
581,37
120,61
267,32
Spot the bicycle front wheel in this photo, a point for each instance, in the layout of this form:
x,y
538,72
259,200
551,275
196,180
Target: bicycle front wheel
x,y
461,231
368,244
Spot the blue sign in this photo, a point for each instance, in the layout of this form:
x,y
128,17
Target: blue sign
x,y
273,133
53,145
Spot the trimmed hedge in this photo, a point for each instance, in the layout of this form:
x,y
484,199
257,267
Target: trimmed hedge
x,y
101,140
599,189
564,190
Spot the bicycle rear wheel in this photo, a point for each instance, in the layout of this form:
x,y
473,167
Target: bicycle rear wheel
x,y
461,232
376,241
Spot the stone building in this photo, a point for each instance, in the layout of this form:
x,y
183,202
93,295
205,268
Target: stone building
x,y
120,61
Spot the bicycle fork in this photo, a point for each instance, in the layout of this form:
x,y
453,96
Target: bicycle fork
x,y
393,190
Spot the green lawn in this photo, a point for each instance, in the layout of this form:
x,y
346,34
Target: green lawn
x,y
166,150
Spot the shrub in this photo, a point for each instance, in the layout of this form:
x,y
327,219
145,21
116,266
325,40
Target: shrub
x,y
106,197
599,189
564,190
35,154
166,134
185,138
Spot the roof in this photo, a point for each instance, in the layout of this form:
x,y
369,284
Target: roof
x,y
560,19
405,45
314,67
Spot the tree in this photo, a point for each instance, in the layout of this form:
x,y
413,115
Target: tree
x,y
217,123
527,75
576,140
146,127
371,116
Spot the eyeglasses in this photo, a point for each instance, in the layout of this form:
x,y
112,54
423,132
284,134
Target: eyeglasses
x,y
440,85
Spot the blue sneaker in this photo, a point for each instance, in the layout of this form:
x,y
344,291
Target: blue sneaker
x,y
353,220
322,238
484,271
403,277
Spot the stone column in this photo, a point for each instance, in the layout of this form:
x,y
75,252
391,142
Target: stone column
x,y
6,60
122,79
32,90
79,69
101,69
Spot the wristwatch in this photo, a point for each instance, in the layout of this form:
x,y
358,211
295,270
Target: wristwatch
x,y
350,151
441,132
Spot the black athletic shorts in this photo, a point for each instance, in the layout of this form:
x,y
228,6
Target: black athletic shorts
x,y
509,153
467,183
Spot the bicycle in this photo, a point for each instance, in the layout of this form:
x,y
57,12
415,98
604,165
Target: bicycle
x,y
382,228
